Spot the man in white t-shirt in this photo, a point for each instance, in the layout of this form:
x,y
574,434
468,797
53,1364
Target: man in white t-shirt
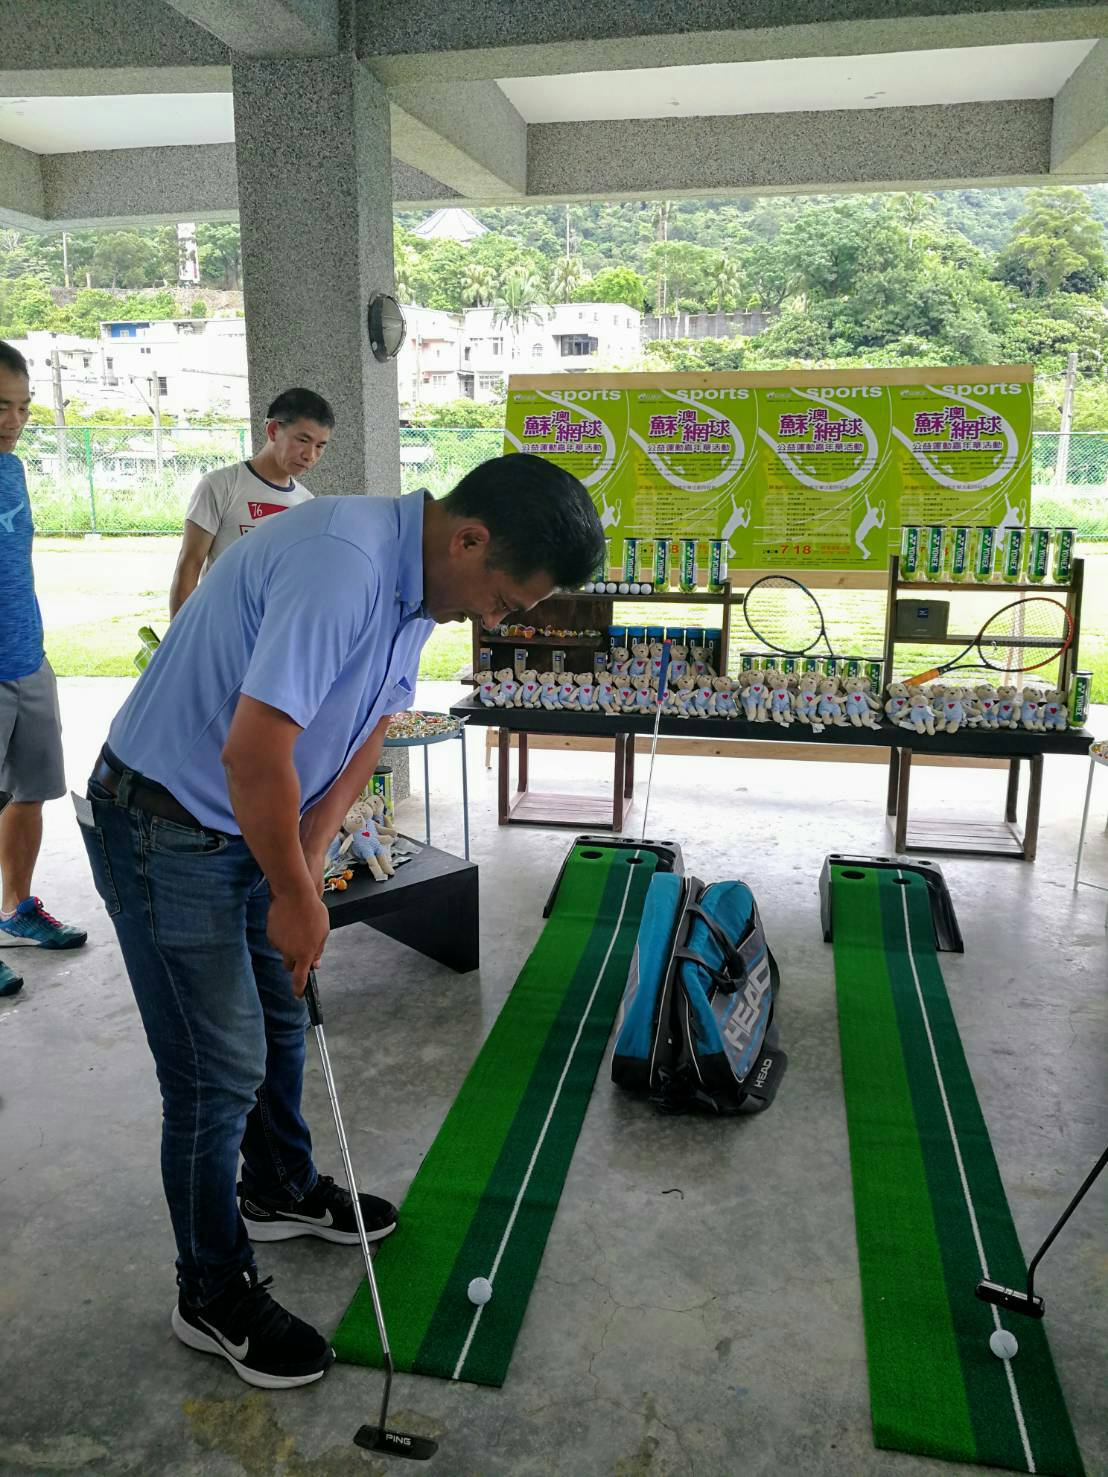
x,y
233,500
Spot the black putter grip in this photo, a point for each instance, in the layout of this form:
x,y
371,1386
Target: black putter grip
x,y
311,995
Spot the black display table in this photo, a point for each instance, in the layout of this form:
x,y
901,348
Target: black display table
x,y
1004,838
431,905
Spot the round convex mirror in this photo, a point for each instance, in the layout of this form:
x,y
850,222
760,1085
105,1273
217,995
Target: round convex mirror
x,y
387,327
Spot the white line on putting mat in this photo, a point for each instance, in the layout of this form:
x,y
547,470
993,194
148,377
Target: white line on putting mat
x,y
1016,1406
464,1355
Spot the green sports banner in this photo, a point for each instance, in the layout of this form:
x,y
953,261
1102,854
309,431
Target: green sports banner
x,y
815,469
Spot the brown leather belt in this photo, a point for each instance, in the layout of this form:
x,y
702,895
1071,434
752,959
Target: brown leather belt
x,y
143,794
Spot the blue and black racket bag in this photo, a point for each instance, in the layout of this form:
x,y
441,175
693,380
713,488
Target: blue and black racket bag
x,y
696,1027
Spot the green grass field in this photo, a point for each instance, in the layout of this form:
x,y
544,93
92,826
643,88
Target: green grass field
x,y
95,593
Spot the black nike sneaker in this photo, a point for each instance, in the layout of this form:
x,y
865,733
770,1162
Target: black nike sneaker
x,y
263,1343
327,1211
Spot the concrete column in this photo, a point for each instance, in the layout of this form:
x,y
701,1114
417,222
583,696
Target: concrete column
x,y
314,159
313,150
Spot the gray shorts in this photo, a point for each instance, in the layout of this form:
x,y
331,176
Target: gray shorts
x,y
31,764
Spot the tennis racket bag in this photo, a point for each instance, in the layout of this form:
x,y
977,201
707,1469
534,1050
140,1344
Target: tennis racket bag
x,y
696,1026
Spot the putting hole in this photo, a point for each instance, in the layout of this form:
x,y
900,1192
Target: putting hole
x,y
633,861
901,881
591,856
854,876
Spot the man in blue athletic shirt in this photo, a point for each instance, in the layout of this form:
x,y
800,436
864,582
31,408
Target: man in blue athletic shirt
x,y
226,774
31,766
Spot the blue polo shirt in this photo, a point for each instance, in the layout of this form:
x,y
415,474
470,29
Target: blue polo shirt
x,y
21,652
318,613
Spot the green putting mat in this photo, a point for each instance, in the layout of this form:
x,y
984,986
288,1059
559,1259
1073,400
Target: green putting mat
x,y
483,1200
930,1210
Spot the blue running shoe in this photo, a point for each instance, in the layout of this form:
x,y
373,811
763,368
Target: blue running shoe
x,y
10,984
32,926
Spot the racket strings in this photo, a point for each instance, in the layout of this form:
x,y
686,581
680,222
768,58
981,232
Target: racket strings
x,y
783,615
1025,635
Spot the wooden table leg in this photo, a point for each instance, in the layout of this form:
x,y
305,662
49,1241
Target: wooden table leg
x,y
1034,797
618,780
903,780
894,775
629,772
521,782
503,776
1011,803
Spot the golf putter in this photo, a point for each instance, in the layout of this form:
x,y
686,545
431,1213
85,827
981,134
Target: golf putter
x,y
663,673
1027,1301
373,1438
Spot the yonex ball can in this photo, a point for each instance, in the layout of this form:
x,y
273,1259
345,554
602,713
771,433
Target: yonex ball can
x,y
630,559
984,552
688,566
1038,555
1064,539
934,544
661,562
1080,687
910,551
959,551
717,565
1011,559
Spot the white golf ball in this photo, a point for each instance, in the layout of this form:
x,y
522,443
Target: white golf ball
x,y
480,1290
1003,1344
634,587
646,589
588,587
611,587
624,587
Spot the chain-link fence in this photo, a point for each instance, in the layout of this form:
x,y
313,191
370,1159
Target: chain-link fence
x,y
100,479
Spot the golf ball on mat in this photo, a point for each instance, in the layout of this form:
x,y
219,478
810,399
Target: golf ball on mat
x,y
1002,1343
480,1290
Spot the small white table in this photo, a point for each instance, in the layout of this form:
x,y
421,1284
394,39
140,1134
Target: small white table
x,y
1098,754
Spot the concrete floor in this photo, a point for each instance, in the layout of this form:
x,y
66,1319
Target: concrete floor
x,y
708,1333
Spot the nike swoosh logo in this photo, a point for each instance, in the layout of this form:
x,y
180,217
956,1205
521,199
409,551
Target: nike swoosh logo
x,y
325,1219
237,1351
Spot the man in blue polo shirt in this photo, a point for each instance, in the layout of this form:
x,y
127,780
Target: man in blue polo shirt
x,y
31,765
226,774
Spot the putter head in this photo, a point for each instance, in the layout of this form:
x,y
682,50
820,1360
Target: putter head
x,y
395,1443
1011,1299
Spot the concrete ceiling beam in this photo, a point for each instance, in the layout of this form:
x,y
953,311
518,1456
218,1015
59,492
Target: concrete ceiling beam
x,y
948,146
467,135
268,28
89,36
1079,139
22,198
434,41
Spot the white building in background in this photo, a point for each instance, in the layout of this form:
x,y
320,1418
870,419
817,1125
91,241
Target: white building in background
x,y
196,366
470,355
193,366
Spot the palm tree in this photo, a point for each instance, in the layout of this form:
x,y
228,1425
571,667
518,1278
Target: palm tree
x,y
520,302
404,265
727,277
478,283
565,275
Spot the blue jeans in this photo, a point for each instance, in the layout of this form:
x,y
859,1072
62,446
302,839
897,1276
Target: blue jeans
x,y
227,1034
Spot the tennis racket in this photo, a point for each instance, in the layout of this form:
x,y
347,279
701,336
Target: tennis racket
x,y
1021,637
785,616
